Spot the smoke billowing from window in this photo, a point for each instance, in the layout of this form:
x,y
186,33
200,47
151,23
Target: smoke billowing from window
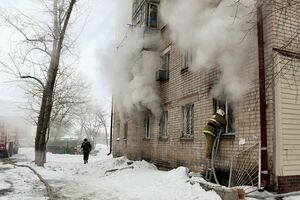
x,y
131,70
215,32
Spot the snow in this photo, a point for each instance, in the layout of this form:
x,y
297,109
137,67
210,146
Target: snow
x,y
71,179
292,198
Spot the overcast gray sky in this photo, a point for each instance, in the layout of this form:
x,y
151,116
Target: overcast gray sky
x,y
98,33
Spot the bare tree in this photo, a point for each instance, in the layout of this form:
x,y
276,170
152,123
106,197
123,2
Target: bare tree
x,y
46,43
69,92
92,122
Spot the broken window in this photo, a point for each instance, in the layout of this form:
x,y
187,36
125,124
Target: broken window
x,y
163,124
188,120
227,106
187,59
147,127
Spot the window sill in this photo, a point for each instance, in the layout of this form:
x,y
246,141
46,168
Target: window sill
x,y
187,138
146,139
163,138
184,70
125,139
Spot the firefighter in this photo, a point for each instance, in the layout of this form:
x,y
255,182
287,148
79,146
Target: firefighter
x,y
214,124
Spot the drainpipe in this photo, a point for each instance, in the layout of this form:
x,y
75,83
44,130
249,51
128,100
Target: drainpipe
x,y
262,100
111,124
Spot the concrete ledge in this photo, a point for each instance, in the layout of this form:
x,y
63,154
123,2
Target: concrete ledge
x,y
224,192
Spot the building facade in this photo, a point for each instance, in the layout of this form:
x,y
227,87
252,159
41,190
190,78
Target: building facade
x,y
175,138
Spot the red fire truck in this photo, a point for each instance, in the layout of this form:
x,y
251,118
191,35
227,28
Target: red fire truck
x,y
8,143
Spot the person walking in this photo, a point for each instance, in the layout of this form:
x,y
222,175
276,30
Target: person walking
x,y
86,148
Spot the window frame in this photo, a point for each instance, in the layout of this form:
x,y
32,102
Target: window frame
x,y
146,127
227,107
118,131
125,130
188,110
148,15
163,124
165,60
187,59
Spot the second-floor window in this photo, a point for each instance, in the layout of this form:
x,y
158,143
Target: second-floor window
x,y
188,120
225,105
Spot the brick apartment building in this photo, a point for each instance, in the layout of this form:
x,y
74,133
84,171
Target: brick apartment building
x,y
176,138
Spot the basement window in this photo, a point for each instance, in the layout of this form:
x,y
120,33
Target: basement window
x,y
163,125
147,127
188,120
227,106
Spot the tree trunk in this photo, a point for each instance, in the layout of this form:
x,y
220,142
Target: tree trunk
x,y
46,105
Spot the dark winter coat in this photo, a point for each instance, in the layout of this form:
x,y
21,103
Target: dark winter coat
x,y
213,124
86,147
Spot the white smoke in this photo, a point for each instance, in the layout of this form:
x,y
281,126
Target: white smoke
x,y
214,31
131,71
134,75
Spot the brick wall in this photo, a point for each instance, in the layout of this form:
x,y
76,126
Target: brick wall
x,y
183,86
288,183
196,87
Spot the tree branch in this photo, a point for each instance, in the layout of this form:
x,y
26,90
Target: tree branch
x,y
34,78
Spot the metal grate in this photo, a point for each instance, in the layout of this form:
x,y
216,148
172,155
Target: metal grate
x,y
245,168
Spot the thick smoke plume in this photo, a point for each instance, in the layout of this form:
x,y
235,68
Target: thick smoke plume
x,y
215,32
133,75
131,70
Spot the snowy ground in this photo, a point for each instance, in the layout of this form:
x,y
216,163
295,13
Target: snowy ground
x,y
71,179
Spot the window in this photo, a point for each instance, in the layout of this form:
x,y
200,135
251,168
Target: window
x,y
163,124
188,120
152,16
118,130
145,14
146,127
165,61
187,59
125,130
224,104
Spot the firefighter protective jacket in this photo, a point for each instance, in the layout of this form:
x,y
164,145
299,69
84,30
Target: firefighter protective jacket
x,y
213,124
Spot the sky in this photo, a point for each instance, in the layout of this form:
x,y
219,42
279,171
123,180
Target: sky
x,y
92,38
